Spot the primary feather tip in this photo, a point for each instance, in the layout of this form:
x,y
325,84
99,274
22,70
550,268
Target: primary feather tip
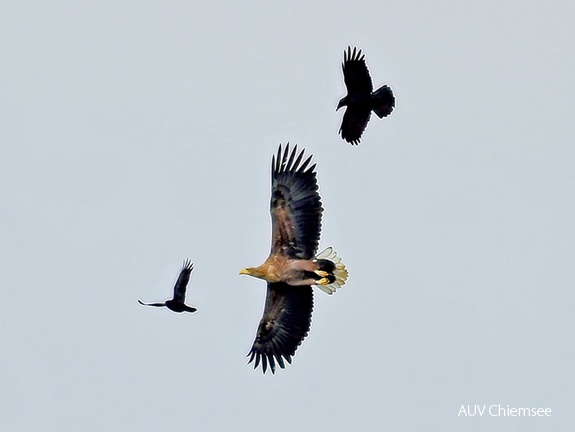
x,y
353,55
287,161
188,265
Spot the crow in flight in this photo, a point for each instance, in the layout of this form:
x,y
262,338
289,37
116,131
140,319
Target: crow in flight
x,y
177,303
360,100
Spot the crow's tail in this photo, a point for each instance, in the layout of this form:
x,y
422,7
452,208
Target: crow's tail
x,y
383,101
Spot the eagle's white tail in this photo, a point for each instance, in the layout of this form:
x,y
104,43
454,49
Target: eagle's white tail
x,y
340,273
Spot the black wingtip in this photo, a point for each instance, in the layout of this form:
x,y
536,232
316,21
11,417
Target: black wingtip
x,y
269,362
280,361
353,55
272,364
188,265
286,160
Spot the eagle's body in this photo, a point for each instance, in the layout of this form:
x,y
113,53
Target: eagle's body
x,y
295,272
361,100
292,266
177,303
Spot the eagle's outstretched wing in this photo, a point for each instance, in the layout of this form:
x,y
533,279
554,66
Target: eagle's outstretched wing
x,y
295,205
284,325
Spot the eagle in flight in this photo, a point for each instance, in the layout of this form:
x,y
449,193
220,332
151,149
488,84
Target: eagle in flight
x,y
292,266
360,100
177,304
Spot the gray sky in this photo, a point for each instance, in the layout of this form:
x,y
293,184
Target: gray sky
x,y
136,134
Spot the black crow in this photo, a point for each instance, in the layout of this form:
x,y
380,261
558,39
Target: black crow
x,y
177,304
360,100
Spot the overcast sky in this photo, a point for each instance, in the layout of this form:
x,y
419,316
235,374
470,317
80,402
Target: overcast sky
x,y
137,134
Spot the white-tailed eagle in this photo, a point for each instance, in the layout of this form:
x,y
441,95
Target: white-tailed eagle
x,y
293,265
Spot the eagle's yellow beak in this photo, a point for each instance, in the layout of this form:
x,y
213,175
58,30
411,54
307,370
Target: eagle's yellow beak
x,y
244,271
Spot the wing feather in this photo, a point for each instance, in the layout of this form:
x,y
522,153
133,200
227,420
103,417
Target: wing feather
x,y
295,205
182,282
284,325
354,123
152,304
355,72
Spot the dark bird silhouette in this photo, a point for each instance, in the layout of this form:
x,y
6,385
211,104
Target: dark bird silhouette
x,y
177,304
292,266
360,100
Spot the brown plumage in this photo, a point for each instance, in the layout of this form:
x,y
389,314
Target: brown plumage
x,y
292,266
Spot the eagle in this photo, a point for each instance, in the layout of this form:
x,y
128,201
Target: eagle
x,y
292,266
360,100
177,303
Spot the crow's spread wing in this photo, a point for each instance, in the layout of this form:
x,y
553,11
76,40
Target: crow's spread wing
x,y
182,282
